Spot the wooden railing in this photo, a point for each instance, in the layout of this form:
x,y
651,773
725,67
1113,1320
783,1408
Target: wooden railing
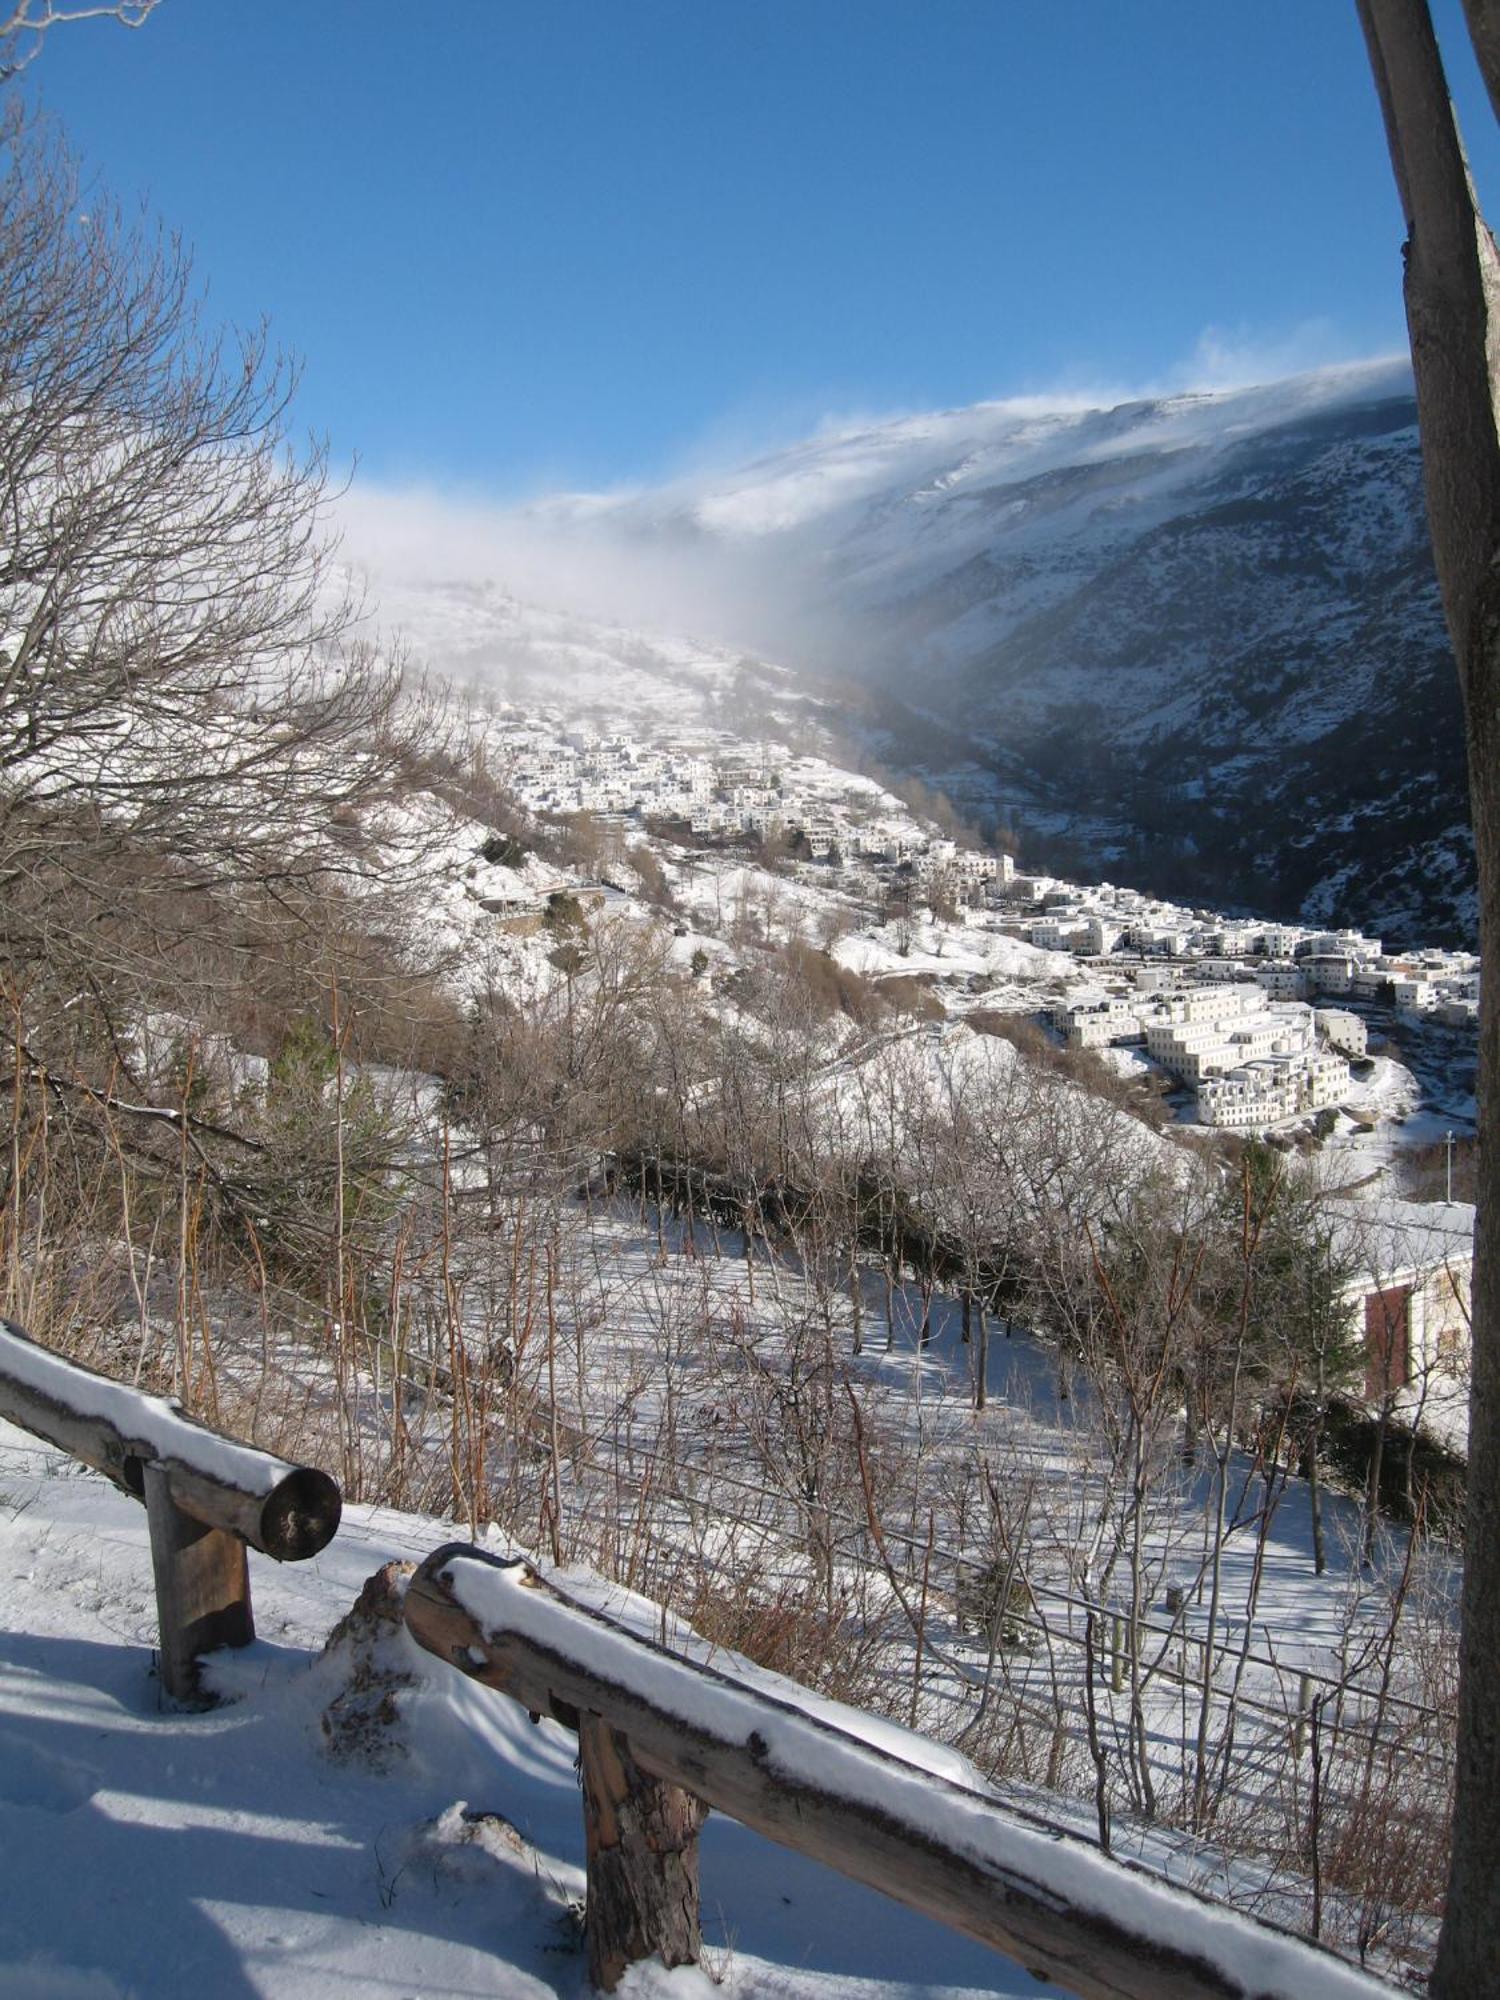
x,y
664,1738
206,1496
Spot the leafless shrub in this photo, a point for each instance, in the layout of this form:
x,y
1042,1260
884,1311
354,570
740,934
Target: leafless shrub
x,y
791,1629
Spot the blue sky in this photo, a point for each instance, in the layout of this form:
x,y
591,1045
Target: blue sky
x,y
528,243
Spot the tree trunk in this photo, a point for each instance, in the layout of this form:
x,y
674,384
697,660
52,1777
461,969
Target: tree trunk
x,y
1315,1499
1452,295
1374,1478
1484,32
641,1838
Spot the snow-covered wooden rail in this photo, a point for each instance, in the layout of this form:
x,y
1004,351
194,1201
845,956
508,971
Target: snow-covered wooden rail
x,y
206,1496
662,1738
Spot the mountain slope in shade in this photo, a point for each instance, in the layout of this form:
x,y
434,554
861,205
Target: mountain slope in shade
x,y
1193,642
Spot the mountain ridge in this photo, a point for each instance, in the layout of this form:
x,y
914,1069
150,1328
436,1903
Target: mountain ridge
x,y
1194,641
1191,642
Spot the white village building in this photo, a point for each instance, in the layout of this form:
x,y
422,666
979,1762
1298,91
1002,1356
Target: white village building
x,y
1414,1271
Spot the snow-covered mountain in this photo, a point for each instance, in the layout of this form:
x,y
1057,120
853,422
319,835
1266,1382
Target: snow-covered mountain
x,y
601,673
1192,641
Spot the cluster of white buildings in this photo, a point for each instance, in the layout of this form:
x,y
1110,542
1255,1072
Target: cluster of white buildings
x,y
1246,1014
1243,1013
1253,1061
1291,961
1257,1018
610,774
725,789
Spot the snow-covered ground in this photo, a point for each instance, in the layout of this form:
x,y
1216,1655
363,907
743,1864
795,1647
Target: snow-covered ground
x,y
159,1853
364,1820
152,1853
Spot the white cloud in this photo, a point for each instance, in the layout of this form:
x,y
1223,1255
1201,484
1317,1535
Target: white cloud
x,y
1244,357
732,550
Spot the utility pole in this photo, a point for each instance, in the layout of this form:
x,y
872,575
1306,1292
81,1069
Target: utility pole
x,y
1448,1147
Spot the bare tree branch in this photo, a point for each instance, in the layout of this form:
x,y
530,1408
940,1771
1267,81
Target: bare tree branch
x,y
22,30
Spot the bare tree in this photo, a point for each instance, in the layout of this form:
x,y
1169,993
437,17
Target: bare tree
x,y
25,23
189,736
180,703
1452,291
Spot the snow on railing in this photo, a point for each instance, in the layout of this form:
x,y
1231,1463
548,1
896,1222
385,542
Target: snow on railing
x,y
663,1738
206,1496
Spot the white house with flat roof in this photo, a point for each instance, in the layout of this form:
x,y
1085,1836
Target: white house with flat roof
x,y
1414,1263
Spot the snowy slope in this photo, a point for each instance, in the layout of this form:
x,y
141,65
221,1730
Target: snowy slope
x,y
151,1853
1197,635
603,673
429,1844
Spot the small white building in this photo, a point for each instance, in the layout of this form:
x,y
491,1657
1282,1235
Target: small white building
x,y
1414,1271
1411,992
1216,1001
1456,1013
1101,1026
1324,1079
1279,940
1249,1098
1328,972
1281,980
1342,1030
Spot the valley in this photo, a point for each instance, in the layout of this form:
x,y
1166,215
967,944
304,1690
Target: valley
x,y
1192,644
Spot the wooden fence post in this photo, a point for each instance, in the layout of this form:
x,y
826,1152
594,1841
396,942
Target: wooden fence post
x,y
641,1840
202,1589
